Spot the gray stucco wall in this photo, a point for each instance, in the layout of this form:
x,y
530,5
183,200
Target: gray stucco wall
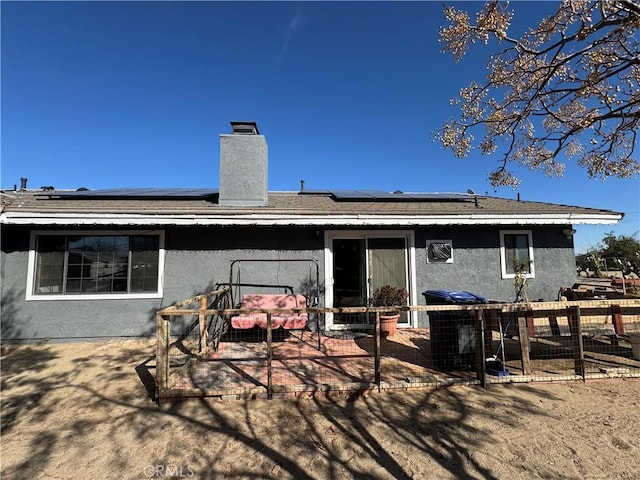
x,y
62,319
476,262
197,259
239,155
200,259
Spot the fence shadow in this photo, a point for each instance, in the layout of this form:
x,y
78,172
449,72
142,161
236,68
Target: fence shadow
x,y
110,424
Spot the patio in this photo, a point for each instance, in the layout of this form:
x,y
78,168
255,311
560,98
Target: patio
x,y
345,362
540,342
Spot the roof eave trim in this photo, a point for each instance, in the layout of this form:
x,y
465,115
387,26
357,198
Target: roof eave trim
x,y
20,218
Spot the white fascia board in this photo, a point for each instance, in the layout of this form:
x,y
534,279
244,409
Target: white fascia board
x,y
19,218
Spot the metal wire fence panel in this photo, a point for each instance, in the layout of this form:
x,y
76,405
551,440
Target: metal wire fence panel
x,y
610,346
251,360
564,343
472,344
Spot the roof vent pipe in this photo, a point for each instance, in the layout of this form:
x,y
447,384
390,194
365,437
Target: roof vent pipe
x,y
23,183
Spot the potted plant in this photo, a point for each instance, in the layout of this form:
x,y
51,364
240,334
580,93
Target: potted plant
x,y
393,297
521,268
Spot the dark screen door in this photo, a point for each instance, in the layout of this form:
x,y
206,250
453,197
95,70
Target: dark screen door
x,y
360,265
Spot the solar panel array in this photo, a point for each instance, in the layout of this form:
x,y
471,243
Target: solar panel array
x,y
379,195
138,193
337,195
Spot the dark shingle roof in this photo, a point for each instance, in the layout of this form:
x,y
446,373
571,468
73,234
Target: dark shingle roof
x,y
297,206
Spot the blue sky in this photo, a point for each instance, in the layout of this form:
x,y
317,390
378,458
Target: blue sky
x,y
135,94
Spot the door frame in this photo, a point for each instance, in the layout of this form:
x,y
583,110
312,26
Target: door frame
x,y
330,235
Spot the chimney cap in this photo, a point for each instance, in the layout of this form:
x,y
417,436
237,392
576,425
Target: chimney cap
x,y
245,128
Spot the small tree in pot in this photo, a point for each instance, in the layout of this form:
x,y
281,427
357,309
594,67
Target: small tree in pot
x,y
393,297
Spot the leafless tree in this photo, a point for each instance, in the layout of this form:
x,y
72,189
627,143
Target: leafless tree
x,y
569,86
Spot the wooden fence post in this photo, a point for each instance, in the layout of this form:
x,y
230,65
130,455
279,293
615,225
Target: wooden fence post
x,y
490,324
481,354
616,317
162,353
524,344
531,328
202,323
376,352
553,324
575,325
269,357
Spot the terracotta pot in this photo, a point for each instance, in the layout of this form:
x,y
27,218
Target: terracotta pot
x,y
388,325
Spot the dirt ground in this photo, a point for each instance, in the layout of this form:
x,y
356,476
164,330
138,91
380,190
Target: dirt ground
x,y
84,411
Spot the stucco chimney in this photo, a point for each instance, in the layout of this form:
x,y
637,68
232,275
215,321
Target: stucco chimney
x,y
243,166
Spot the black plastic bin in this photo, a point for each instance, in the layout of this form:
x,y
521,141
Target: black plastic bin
x,y
453,337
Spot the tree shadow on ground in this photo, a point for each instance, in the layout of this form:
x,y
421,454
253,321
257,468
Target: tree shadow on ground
x,y
112,421
21,368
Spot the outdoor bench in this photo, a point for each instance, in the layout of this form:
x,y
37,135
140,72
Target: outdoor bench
x,y
288,321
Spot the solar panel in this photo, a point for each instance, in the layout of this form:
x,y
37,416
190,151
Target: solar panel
x,y
440,197
314,192
358,194
379,195
137,193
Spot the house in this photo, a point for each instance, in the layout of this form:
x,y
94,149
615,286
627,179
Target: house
x,y
99,263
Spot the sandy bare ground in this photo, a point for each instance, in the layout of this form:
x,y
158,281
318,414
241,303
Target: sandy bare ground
x,y
83,411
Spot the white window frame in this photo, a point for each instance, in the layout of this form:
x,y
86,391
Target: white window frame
x,y
503,259
89,296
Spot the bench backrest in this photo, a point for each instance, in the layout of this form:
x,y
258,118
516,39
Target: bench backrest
x,y
276,300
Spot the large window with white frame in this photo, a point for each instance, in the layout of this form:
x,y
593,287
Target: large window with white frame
x,y
516,253
95,264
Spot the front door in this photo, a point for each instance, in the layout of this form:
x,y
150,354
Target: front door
x,y
360,263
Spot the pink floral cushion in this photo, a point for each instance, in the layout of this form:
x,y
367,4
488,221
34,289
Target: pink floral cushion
x,y
288,321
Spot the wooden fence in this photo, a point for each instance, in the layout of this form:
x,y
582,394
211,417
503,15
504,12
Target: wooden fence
x,y
564,320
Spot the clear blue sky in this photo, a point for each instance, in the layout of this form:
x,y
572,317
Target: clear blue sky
x,y
135,94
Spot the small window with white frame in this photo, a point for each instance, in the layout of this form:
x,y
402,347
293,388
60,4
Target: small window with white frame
x,y
439,251
97,265
516,253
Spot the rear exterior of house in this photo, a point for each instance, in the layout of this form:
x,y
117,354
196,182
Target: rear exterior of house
x,y
99,264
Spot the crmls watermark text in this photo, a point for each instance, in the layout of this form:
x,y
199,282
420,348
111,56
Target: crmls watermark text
x,y
168,471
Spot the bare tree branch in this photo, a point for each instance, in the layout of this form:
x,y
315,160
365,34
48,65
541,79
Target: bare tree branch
x,y
568,87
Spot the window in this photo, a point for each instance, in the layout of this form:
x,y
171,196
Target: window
x,y
102,265
516,251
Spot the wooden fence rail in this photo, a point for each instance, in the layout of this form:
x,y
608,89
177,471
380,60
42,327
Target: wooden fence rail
x,y
525,315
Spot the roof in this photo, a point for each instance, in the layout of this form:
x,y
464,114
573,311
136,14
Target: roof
x,y
164,207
